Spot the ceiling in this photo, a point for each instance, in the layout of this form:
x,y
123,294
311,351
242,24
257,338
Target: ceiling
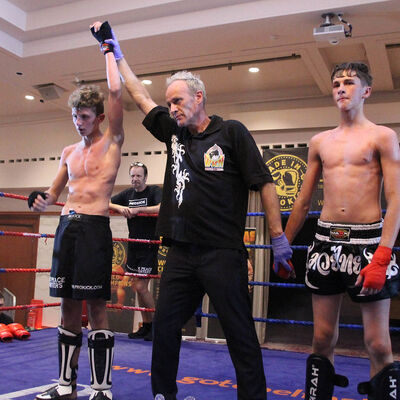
x,y
48,42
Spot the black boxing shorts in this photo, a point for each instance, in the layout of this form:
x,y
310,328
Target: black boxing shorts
x,y
142,259
337,255
82,258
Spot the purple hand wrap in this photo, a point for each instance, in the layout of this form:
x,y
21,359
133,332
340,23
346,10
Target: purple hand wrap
x,y
282,252
116,49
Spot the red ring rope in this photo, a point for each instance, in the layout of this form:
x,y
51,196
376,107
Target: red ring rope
x,y
31,306
19,197
48,270
24,269
48,235
28,306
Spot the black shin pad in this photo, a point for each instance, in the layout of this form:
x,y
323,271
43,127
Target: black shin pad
x,y
68,344
101,353
321,378
385,385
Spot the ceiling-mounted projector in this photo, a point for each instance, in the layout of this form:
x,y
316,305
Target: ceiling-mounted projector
x,y
330,32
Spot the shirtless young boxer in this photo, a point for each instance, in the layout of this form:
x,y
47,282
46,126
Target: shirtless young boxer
x,y
82,256
352,249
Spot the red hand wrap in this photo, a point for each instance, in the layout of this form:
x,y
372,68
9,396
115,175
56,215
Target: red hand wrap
x,y
283,272
106,48
374,273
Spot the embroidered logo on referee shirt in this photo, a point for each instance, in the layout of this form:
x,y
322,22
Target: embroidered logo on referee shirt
x,y
181,174
214,159
336,233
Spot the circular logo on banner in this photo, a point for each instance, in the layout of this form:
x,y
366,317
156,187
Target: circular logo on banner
x,y
119,253
162,251
288,173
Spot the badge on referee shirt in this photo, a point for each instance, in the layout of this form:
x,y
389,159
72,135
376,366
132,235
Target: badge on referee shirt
x,y
214,159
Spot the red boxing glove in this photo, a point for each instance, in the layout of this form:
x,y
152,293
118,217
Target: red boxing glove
x,y
374,273
5,334
18,331
284,272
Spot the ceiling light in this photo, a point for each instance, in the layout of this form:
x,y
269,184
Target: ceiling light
x,y
147,82
254,70
29,97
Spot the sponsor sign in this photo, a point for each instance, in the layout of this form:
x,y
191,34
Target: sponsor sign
x,y
288,167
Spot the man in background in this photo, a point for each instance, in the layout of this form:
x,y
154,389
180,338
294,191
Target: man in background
x,y
142,258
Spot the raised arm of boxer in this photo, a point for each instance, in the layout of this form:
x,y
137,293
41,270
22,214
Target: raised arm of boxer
x,y
102,31
114,100
134,86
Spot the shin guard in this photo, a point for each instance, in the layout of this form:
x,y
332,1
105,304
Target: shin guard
x,y
321,378
101,353
69,345
385,385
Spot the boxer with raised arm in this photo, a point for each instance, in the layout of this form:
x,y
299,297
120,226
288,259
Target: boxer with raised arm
x,y
82,255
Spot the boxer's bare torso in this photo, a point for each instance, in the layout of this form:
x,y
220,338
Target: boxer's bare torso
x,y
92,167
352,173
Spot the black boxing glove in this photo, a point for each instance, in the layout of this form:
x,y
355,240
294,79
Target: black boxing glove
x,y
102,35
33,195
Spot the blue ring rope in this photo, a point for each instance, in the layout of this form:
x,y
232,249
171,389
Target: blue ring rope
x,y
294,247
262,214
293,322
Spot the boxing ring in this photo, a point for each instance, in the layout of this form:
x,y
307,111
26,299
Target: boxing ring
x,y
205,371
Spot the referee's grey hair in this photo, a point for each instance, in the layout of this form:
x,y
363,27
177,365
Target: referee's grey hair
x,y
193,81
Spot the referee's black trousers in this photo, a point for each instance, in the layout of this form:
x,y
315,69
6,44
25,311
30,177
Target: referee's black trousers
x,y
189,272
